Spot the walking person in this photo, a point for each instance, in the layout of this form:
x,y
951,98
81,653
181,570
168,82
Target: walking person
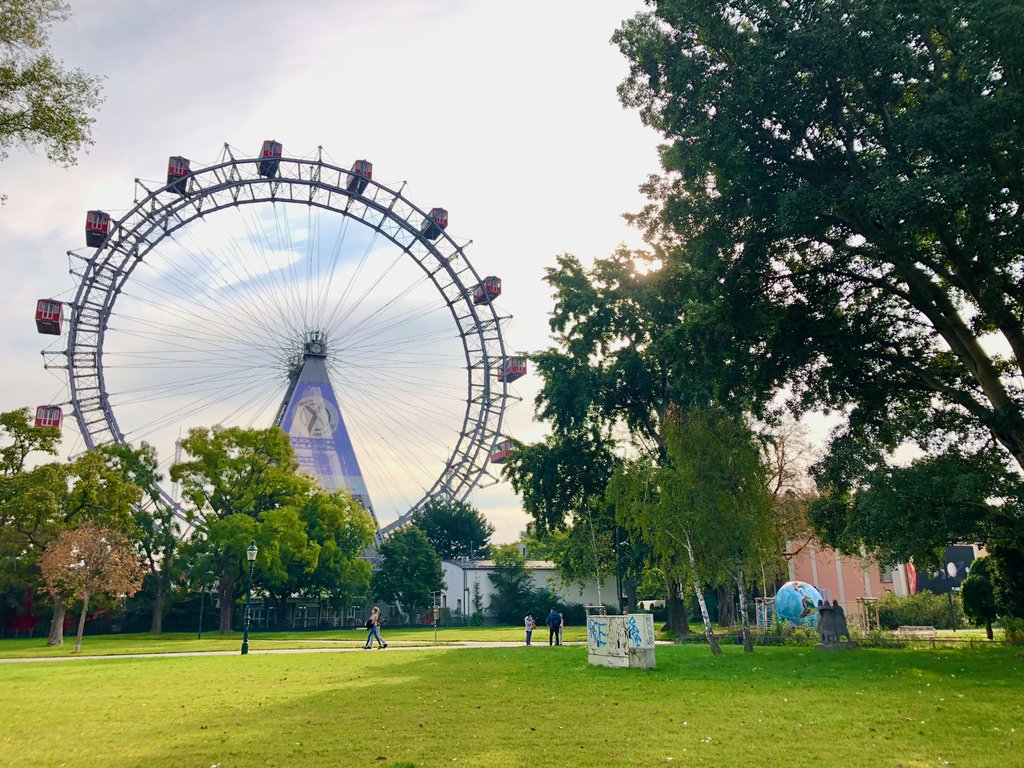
x,y
561,626
373,625
553,620
531,624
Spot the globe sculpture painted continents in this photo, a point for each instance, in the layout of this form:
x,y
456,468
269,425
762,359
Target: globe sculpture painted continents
x,y
797,603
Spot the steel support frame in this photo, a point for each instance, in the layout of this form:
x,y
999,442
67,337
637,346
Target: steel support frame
x,y
160,212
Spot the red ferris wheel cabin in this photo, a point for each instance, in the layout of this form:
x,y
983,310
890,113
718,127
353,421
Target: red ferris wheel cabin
x,y
514,368
270,158
434,224
49,314
49,416
487,290
177,173
360,176
502,451
97,226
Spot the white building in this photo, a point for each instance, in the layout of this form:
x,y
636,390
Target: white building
x,y
465,578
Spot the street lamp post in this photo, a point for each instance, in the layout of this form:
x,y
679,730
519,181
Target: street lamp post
x,y
250,555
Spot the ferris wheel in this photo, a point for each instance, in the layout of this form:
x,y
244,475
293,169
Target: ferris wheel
x,y
230,285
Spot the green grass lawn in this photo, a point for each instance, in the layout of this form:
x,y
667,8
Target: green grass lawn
x,y
532,707
179,642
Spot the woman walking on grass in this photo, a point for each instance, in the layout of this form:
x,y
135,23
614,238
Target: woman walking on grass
x,y
373,624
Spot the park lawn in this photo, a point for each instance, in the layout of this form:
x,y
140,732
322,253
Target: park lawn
x,y
186,642
536,707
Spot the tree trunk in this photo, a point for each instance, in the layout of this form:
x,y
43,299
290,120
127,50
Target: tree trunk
x,y
748,641
281,620
726,607
81,622
699,591
156,624
988,629
57,622
678,620
227,608
708,632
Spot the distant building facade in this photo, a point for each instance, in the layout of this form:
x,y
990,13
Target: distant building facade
x,y
466,580
843,578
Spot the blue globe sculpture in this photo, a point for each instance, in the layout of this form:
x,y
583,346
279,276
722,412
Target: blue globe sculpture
x,y
797,603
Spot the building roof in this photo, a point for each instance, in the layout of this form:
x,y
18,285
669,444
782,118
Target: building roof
x,y
480,565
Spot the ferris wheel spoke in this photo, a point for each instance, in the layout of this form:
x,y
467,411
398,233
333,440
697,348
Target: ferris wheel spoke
x,y
408,384
196,337
190,409
182,385
340,322
384,326
198,281
351,282
193,312
382,399
420,406
160,330
273,286
249,279
403,342
325,291
384,456
420,280
383,479
284,243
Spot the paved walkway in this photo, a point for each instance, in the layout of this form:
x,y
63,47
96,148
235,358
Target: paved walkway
x,y
278,651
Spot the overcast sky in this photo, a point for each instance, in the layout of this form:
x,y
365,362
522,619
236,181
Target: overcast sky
x,y
505,114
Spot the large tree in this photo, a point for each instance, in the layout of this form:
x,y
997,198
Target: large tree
x,y
843,197
43,502
514,592
156,533
242,484
706,511
409,571
88,561
455,529
42,104
341,529
977,595
18,440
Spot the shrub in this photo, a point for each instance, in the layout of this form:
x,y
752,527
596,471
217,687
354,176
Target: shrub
x,y
923,609
1014,629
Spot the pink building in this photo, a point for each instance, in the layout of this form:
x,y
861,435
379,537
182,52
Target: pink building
x,y
843,578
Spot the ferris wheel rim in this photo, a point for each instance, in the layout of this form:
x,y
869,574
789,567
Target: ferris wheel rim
x,y
105,274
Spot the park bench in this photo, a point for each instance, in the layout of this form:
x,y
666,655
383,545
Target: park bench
x,y
910,631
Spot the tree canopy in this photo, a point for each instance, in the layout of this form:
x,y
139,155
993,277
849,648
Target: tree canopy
x,y
88,561
454,528
409,571
243,484
840,212
42,103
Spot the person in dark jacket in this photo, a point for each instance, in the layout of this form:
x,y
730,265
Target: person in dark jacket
x,y
554,621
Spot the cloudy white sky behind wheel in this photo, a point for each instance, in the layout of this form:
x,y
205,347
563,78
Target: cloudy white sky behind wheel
x,y
505,114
